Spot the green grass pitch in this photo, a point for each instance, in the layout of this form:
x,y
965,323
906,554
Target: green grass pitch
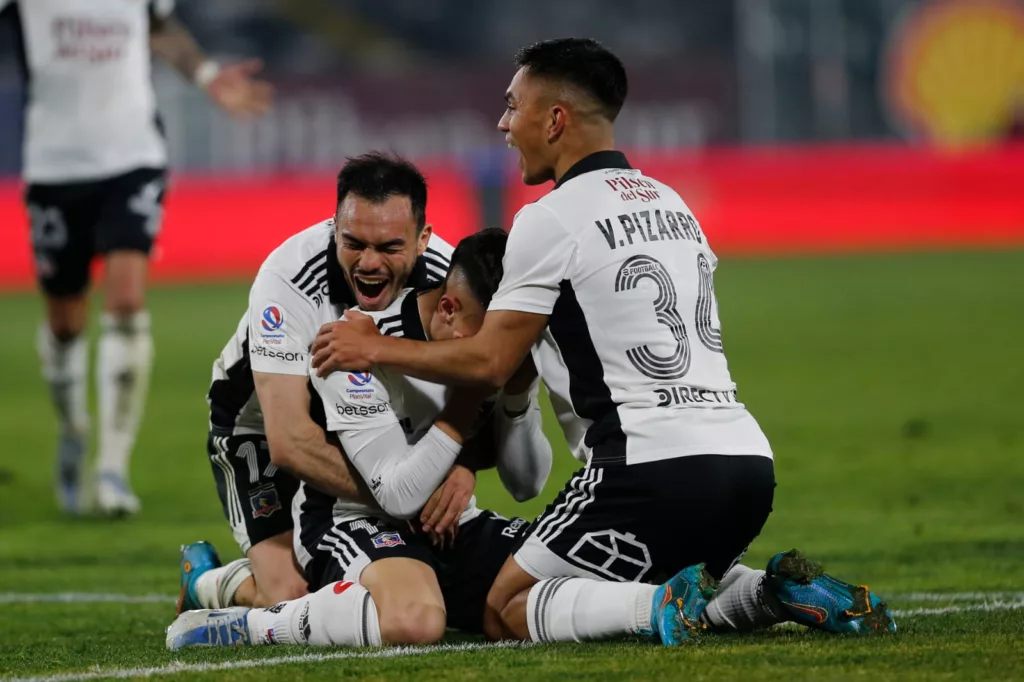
x,y
891,388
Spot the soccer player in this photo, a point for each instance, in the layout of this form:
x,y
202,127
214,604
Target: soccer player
x,y
95,164
263,438
374,581
608,280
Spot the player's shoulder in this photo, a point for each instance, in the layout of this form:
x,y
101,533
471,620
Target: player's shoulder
x,y
302,253
439,249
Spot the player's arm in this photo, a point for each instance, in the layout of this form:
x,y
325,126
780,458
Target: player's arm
x,y
232,86
297,444
401,476
536,263
281,323
523,451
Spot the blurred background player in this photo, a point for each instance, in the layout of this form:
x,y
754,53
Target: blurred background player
x,y
95,165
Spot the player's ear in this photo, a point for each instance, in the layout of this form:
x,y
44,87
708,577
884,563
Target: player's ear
x,y
448,305
424,239
556,124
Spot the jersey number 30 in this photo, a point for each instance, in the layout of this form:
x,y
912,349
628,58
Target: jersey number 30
x,y
676,364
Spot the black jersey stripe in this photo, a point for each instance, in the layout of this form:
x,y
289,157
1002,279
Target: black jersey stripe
x,y
319,272
229,395
309,264
440,256
436,266
589,394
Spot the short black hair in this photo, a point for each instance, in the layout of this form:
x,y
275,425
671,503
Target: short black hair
x,y
377,177
582,62
479,257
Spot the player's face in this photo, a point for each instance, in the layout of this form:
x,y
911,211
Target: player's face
x,y
459,313
377,247
526,124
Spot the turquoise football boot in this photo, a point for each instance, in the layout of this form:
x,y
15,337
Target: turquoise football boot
x,y
196,558
679,604
227,627
815,599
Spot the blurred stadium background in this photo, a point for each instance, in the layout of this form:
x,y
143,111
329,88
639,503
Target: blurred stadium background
x,y
823,144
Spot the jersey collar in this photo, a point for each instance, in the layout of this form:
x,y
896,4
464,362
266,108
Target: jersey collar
x,y
341,294
596,161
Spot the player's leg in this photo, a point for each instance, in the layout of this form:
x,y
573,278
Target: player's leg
x,y
257,501
373,585
621,523
468,568
62,239
571,581
127,226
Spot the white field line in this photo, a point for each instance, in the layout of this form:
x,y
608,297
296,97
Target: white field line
x,y
178,668
956,596
997,605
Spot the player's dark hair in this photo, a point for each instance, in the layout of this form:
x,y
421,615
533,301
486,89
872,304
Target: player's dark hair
x,y
582,62
377,177
479,257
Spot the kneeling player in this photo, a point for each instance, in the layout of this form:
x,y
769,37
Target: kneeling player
x,y
374,581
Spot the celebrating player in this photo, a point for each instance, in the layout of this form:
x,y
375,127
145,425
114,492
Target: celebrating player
x,y
376,581
610,275
95,163
263,439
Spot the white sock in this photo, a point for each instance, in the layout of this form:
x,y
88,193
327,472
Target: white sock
x,y
580,610
66,369
341,614
216,588
742,604
124,358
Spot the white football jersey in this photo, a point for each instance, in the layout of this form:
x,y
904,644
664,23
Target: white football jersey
x,y
632,356
371,400
299,287
91,110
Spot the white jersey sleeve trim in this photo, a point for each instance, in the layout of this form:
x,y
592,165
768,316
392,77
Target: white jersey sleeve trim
x,y
536,261
160,8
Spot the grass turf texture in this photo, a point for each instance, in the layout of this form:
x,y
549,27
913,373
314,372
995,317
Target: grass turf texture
x,y
890,388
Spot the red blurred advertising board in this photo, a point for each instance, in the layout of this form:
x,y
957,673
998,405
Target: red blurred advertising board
x,y
749,201
836,199
223,228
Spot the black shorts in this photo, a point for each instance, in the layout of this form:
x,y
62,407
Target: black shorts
x,y
255,494
646,522
465,571
73,222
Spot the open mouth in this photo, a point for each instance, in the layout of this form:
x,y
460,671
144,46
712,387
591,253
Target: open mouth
x,y
370,290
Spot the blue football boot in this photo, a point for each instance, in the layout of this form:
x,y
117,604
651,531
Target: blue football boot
x,y
227,627
679,604
815,599
196,559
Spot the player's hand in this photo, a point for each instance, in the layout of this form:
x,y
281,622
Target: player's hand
x,y
441,513
236,91
345,344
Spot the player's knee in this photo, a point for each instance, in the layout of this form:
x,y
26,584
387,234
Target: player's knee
x,y
415,623
125,304
66,319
